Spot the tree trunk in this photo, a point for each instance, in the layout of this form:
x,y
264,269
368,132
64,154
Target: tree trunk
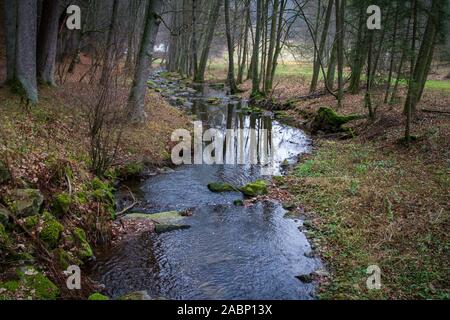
x,y
136,101
211,26
26,35
340,14
272,45
230,45
323,40
111,45
255,66
48,40
10,16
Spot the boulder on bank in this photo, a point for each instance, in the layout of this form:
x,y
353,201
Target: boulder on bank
x,y
328,121
26,202
51,231
162,217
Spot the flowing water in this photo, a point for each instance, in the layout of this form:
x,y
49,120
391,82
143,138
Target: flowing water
x,y
230,252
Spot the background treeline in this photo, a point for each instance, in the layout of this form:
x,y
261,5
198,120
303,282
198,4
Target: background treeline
x,y
347,57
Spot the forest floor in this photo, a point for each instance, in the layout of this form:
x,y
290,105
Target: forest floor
x,y
47,148
371,200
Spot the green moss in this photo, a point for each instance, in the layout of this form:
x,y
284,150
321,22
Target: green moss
x,y
131,170
238,203
221,187
254,189
62,203
98,297
51,231
31,222
4,238
10,286
40,285
84,248
328,120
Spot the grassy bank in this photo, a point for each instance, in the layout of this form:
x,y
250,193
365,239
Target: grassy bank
x,y
53,209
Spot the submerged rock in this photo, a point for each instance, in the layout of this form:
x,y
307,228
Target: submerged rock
x,y
254,189
26,202
221,187
305,278
163,228
162,217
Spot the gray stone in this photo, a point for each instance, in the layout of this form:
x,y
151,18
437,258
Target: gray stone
x,y
26,202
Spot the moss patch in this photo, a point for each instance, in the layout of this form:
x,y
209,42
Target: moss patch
x,y
61,204
98,297
254,189
221,187
51,230
84,248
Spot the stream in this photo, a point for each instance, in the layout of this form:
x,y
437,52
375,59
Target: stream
x,y
230,252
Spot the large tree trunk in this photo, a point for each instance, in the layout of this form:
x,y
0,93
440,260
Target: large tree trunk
x,y
10,16
323,40
136,102
230,45
111,45
340,14
211,26
26,34
255,66
272,46
48,40
247,26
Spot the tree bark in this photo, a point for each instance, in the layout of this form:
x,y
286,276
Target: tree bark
x,y
48,40
255,66
26,35
10,16
230,45
136,101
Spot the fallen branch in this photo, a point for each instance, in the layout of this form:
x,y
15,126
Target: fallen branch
x,y
435,111
125,211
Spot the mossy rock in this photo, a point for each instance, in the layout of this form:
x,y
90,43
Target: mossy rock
x,y
51,230
10,286
61,204
254,189
238,203
31,222
221,187
162,217
5,174
38,285
66,259
163,228
305,278
98,297
26,202
84,248
327,120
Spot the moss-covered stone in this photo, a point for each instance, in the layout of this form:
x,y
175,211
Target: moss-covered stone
x,y
327,120
51,230
31,222
238,203
10,286
84,250
5,174
162,217
221,187
61,204
254,189
66,259
26,202
39,285
98,297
